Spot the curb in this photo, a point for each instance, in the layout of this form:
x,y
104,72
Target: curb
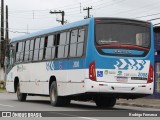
x,y
138,105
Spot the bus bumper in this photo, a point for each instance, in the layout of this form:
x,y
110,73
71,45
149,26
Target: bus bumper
x,y
118,88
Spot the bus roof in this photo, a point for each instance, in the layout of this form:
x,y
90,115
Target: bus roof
x,y
51,30
64,27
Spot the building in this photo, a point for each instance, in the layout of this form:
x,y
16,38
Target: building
x,y
157,61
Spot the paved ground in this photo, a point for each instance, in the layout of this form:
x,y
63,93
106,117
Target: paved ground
x,y
142,102
8,102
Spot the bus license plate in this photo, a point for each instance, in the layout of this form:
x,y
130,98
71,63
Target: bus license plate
x,y
122,79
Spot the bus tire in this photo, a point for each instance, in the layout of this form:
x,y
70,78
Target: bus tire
x,y
55,99
20,96
105,102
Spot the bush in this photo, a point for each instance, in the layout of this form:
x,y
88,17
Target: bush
x,y
2,84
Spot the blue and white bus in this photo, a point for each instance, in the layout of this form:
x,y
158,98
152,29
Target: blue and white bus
x,y
99,59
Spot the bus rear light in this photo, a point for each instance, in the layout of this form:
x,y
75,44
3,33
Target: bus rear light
x,y
98,20
151,74
92,71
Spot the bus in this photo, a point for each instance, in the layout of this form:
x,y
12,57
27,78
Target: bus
x,y
95,59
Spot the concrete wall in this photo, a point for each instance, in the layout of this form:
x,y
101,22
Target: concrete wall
x,y
1,74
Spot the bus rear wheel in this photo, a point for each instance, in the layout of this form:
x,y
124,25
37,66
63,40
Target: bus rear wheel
x,y
105,102
55,99
20,96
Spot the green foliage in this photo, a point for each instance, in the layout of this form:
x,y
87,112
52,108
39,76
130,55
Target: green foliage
x,y
2,84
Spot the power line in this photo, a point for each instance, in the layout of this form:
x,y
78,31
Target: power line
x,y
132,10
31,18
30,12
39,14
156,24
62,7
98,7
18,32
76,12
103,5
153,19
148,15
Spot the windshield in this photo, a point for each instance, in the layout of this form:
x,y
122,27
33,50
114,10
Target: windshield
x,y
122,33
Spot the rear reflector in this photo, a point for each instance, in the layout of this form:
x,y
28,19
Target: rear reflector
x,y
151,74
92,71
101,84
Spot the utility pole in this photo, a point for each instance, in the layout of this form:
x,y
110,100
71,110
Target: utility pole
x,y
6,49
59,12
7,30
88,12
2,34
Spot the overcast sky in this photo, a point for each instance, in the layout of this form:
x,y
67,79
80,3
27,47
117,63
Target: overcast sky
x,y
33,15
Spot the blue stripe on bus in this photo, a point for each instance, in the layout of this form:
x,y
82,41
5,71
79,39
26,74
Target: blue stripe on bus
x,y
65,64
121,64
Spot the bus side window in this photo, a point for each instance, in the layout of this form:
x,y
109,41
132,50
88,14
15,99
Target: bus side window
x,y
67,45
11,56
13,48
45,46
80,46
36,49
57,44
41,48
26,53
73,43
63,37
17,55
31,50
16,47
22,52
50,49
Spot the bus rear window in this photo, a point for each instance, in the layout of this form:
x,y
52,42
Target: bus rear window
x,y
122,33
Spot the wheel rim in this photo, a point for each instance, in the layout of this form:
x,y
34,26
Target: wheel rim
x,y
53,95
18,91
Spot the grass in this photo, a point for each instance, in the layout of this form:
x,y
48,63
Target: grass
x,y
2,90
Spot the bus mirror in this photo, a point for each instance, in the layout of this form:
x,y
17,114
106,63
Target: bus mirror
x,y
11,47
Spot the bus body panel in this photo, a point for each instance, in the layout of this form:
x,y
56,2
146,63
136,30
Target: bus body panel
x,y
72,75
122,73
34,78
